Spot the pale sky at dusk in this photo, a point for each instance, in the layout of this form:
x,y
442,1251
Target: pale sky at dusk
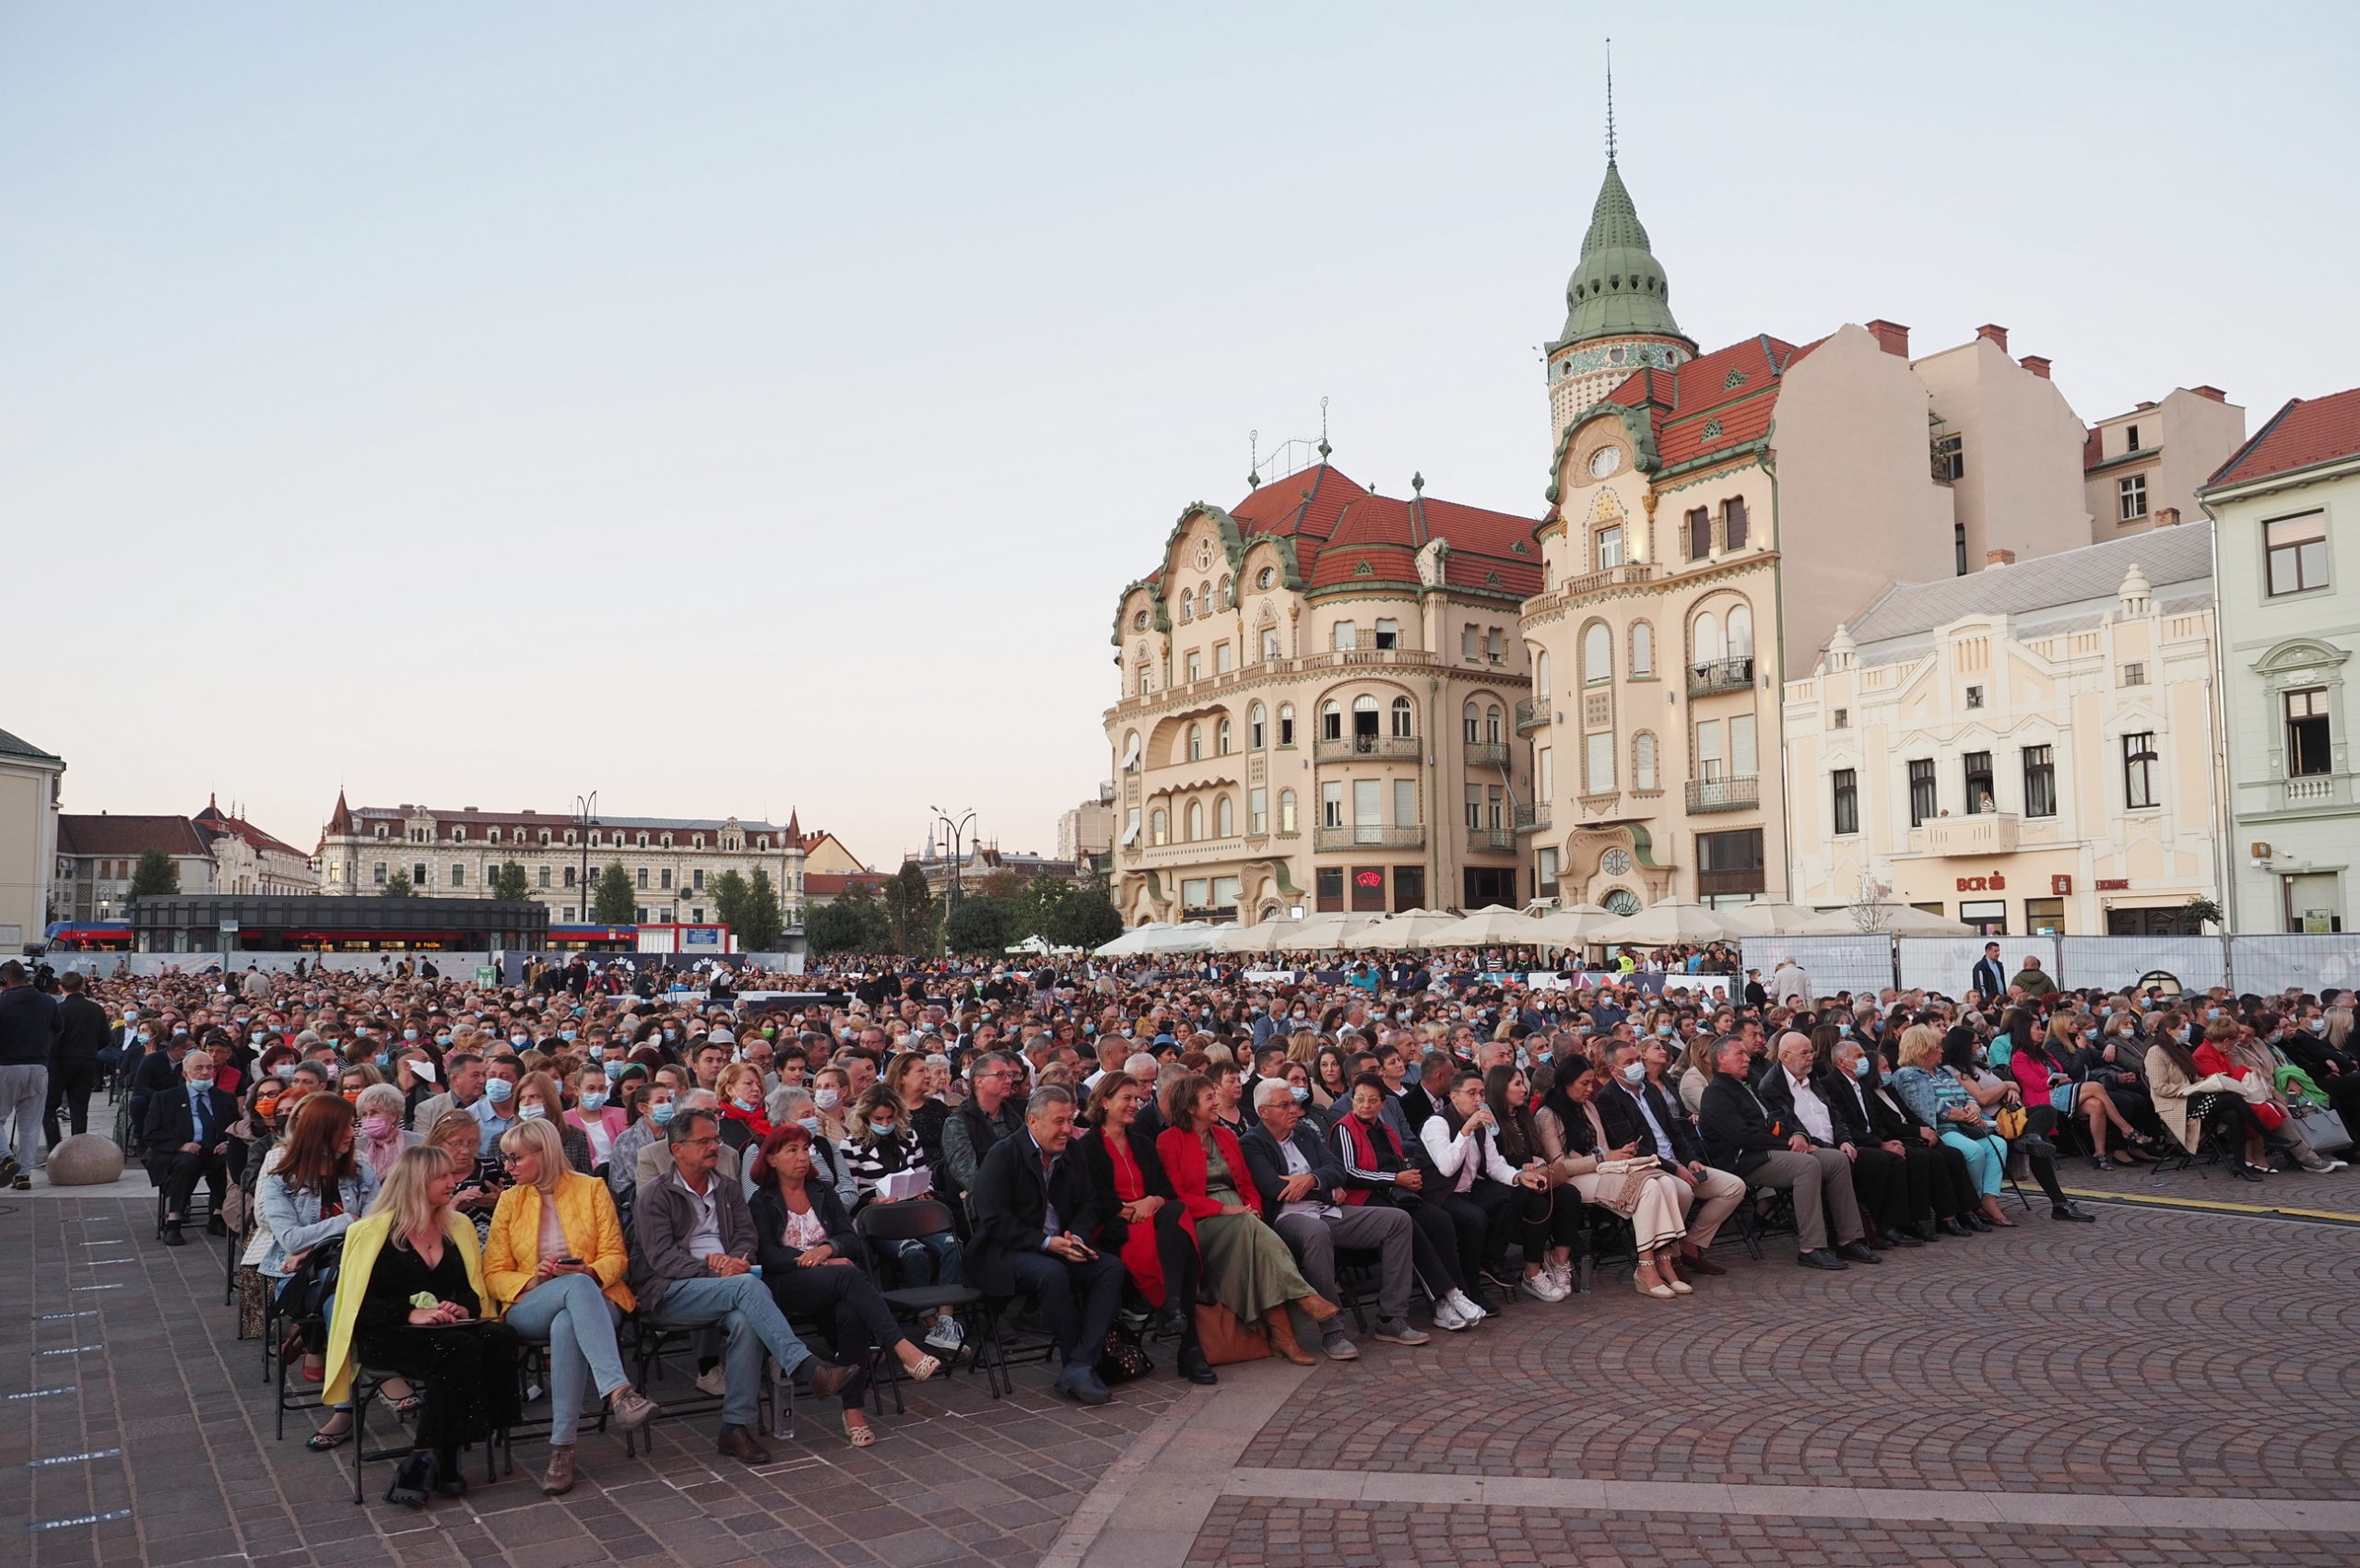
x,y
738,408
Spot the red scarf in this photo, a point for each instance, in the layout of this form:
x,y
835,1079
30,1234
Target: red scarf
x,y
1364,1150
754,1120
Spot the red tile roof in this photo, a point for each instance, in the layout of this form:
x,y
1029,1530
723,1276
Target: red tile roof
x,y
1716,401
831,884
2308,431
1342,525
108,834
213,819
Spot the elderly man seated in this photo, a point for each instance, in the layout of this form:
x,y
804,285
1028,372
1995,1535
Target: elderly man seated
x,y
1301,1185
187,1138
1740,1135
1030,1195
691,1259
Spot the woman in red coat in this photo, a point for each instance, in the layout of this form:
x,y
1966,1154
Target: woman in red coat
x,y
1139,1219
1246,1268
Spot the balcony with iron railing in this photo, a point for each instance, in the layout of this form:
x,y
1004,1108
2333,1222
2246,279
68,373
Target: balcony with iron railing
x,y
1483,840
1723,795
1531,714
1721,675
1487,753
1532,817
1379,748
1189,694
1369,835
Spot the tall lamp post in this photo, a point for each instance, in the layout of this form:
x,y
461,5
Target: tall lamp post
x,y
957,830
586,817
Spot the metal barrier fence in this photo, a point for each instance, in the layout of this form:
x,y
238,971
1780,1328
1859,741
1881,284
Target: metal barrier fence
x,y
2261,966
2198,964
1947,964
1833,963
2265,965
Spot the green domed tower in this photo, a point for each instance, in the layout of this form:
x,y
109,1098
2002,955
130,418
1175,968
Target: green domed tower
x,y
1618,311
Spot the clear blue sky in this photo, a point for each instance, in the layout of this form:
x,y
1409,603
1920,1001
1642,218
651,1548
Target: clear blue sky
x,y
746,407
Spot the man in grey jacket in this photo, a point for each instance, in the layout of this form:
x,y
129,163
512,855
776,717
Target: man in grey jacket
x,y
692,1267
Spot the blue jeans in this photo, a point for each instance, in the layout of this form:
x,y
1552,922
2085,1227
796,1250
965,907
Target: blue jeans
x,y
929,1260
570,1314
1987,1159
742,1306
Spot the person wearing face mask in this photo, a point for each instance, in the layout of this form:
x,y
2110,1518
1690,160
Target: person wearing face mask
x,y
648,1107
496,1112
599,1122
882,1143
381,1136
187,1139
737,1088
538,1099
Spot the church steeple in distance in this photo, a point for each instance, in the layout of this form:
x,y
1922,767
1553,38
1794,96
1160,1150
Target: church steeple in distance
x,y
1617,310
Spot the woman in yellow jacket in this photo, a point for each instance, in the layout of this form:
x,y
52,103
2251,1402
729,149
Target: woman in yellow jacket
x,y
554,1265
410,1298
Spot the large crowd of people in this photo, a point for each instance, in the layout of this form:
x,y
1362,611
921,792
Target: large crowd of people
x,y
890,1167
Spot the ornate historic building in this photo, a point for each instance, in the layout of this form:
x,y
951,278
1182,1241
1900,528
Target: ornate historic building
x,y
1315,713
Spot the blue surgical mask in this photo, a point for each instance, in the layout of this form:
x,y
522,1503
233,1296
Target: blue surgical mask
x,y
442,1037
567,1033
809,1124
284,1072
593,1099
880,1129
534,1112
497,1090
409,1035
1635,1072
1663,1028
1302,1093
384,1059
660,1113
1860,1067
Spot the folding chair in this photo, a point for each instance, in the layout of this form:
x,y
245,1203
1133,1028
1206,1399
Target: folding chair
x,y
882,1224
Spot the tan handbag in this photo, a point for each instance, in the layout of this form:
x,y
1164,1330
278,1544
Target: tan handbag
x,y
1227,1341
1622,1183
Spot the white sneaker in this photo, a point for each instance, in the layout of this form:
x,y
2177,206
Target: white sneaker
x,y
715,1382
1561,1276
1466,1308
1446,1317
946,1335
1542,1288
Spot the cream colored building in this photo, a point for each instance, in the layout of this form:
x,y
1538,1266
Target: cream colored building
x,y
29,781
1086,832
246,860
1316,712
1713,518
673,862
2143,468
2028,749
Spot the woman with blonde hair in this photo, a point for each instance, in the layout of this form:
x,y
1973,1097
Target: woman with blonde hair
x,y
1940,1101
410,1299
555,1267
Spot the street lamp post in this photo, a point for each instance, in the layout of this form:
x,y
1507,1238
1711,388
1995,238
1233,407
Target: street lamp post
x,y
957,830
586,817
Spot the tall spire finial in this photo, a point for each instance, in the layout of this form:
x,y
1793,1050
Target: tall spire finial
x,y
1254,470
1323,448
1609,100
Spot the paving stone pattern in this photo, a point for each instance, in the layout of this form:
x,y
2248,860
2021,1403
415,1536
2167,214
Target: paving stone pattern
x,y
1244,1532
2153,1352
961,1480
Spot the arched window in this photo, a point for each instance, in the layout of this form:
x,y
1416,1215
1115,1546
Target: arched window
x,y
1286,724
1643,761
1473,719
1222,738
1188,603
1491,732
458,832
1540,675
1741,631
1405,723
1286,811
1331,722
1257,731
1707,647
1224,818
1228,595
1597,655
1643,650
1196,743
1130,763
1365,722
1196,821
1160,825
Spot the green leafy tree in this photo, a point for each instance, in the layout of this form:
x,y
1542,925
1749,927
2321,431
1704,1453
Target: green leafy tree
x,y
910,902
980,925
759,927
1040,906
397,886
1089,920
729,902
508,883
155,876
616,903
856,922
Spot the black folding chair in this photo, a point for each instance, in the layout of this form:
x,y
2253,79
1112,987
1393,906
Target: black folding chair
x,y
883,1226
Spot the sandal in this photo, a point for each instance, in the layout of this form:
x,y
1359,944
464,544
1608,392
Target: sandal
x,y
922,1369
860,1436
322,1440
408,1404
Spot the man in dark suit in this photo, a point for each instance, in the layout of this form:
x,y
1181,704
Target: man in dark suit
x,y
1989,977
1432,1091
1301,1183
1740,1136
188,1136
1638,1115
1798,1098
1846,1087
74,1059
1028,1197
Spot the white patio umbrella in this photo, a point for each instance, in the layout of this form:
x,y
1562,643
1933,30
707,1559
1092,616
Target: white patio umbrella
x,y
1765,918
1575,926
1407,929
1267,937
1326,932
1493,926
1884,920
1132,942
1664,922
1194,936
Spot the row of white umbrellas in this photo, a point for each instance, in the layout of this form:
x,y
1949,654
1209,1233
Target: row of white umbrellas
x,y
1662,924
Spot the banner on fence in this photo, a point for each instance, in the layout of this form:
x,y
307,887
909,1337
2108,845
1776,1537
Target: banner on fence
x,y
1947,964
2264,966
1860,963
2198,964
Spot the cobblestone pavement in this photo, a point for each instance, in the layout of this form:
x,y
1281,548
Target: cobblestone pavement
x,y
2338,1192
2160,1351
1260,1533
182,1469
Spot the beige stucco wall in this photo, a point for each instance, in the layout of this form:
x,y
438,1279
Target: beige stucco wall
x,y
28,846
2023,489
2191,436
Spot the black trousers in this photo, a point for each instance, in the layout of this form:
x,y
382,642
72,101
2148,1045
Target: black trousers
x,y
1949,1188
178,1172
1881,1185
845,1303
1434,1244
1183,1269
1470,1228
1503,1208
1077,1299
1548,1219
466,1372
71,1084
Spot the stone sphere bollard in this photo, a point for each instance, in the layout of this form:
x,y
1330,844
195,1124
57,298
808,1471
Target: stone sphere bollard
x,y
86,1160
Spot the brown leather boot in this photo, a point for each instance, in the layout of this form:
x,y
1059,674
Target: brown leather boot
x,y
1281,1331
1319,1309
